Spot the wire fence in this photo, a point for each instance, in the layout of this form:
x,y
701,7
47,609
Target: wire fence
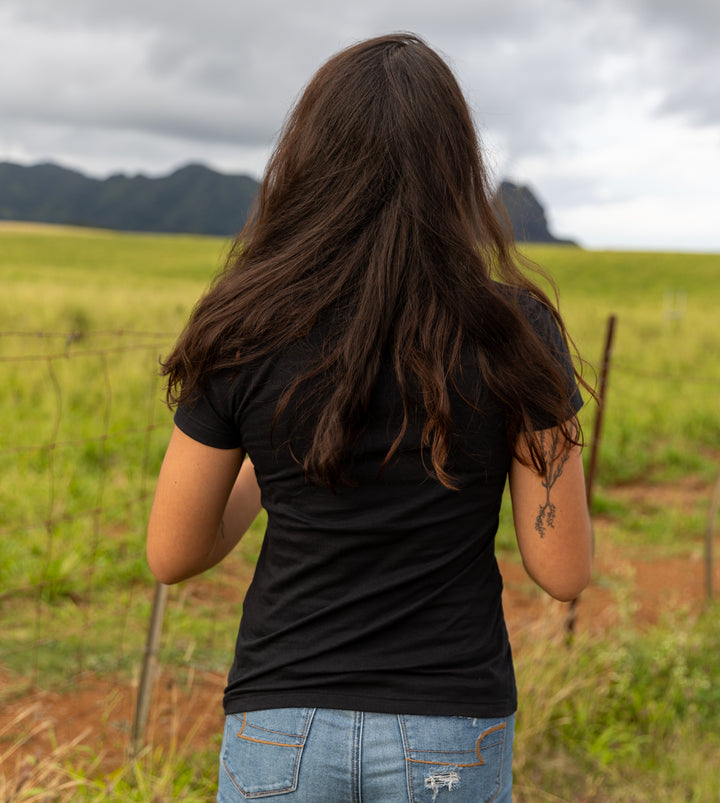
x,y
83,434
78,454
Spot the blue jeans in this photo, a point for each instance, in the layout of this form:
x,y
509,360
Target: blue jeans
x,y
308,755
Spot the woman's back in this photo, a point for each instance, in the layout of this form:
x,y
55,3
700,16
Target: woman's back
x,y
383,591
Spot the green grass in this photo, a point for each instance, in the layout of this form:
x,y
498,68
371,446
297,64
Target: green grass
x,y
662,415
631,719
85,316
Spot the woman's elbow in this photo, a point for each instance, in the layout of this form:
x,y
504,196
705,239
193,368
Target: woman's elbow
x,y
165,577
570,590
566,585
164,570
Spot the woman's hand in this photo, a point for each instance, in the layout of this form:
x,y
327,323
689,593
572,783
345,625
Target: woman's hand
x,y
205,500
552,522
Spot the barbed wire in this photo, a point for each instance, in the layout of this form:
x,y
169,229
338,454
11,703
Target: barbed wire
x,y
44,521
42,333
75,336
67,444
619,367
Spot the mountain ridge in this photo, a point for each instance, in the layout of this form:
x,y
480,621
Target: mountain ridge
x,y
193,199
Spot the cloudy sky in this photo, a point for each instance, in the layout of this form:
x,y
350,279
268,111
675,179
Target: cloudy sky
x,y
609,110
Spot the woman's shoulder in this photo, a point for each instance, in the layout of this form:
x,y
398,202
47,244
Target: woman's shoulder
x,y
533,308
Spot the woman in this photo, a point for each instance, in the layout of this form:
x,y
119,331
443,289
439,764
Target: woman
x,y
374,348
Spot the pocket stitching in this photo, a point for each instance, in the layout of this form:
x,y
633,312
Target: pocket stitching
x,y
479,763
299,747
241,735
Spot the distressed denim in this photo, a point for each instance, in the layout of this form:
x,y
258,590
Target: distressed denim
x,y
308,755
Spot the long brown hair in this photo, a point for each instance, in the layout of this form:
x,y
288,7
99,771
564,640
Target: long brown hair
x,y
377,210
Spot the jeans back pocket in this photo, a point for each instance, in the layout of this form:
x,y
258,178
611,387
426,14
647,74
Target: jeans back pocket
x,y
458,755
261,750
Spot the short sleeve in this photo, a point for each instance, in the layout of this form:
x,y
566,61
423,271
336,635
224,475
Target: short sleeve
x,y
210,418
547,329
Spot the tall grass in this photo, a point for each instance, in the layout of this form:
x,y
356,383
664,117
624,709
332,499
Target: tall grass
x,y
634,719
169,769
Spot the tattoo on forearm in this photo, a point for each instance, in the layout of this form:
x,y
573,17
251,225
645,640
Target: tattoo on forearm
x,y
555,463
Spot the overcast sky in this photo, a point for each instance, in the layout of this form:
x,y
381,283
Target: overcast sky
x,y
609,110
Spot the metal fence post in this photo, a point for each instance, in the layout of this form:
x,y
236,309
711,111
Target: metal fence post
x,y
594,449
712,514
147,677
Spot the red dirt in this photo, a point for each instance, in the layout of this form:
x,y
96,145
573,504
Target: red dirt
x,y
98,712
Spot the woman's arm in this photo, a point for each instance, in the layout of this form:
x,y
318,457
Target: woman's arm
x,y
552,522
205,500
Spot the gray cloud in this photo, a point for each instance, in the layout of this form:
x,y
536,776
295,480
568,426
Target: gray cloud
x,y
146,85
687,56
227,72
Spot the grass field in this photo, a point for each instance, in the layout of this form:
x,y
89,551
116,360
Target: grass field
x,y
84,316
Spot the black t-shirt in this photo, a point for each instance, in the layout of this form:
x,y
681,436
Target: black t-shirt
x,y
382,595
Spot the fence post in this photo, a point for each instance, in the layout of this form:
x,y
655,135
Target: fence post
x,y
597,431
147,677
594,449
714,504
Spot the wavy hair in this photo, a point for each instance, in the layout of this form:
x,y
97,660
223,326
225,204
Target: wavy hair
x,y
376,210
